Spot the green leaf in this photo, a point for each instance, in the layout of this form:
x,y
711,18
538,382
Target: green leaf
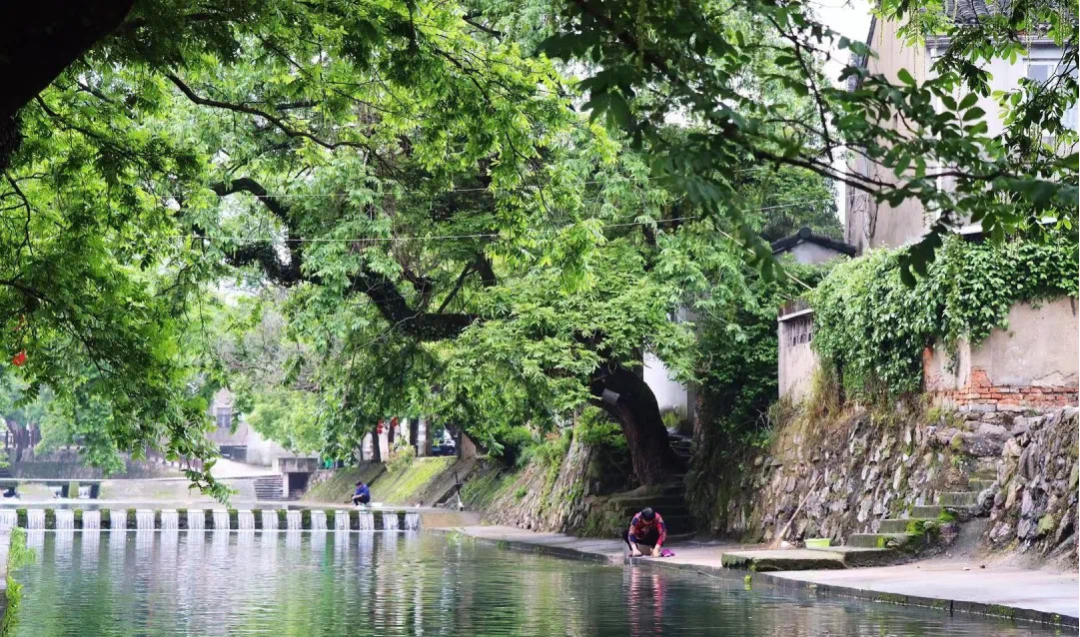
x,y
974,113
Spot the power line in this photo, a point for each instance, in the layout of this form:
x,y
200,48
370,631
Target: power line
x,y
591,182
456,237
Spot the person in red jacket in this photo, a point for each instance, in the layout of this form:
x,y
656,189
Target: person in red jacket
x,y
647,528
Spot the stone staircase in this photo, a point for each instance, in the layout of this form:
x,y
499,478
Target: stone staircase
x,y
896,538
670,503
269,488
683,447
952,506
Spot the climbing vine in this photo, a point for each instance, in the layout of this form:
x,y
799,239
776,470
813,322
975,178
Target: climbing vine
x,y
871,328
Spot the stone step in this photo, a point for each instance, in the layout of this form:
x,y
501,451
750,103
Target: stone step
x,y
935,510
268,488
676,524
878,540
857,556
927,511
958,498
900,525
764,561
978,485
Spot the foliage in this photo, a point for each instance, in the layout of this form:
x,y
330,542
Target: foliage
x,y
737,361
596,429
18,556
401,457
645,61
871,328
289,417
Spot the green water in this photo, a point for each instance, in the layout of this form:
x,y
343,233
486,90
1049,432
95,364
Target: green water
x,y
314,585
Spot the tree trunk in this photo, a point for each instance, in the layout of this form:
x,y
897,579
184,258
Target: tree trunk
x,y
632,403
376,447
414,434
38,40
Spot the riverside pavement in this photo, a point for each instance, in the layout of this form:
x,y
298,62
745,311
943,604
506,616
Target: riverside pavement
x,y
953,585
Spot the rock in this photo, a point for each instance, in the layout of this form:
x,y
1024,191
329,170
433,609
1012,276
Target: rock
x,y
1010,501
865,506
1027,504
1047,523
1011,449
986,500
1026,529
1022,425
1001,532
977,445
944,436
988,429
1066,527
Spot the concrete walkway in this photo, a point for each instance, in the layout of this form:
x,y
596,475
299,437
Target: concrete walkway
x,y
947,584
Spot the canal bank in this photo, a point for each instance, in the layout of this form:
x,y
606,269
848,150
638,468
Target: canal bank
x,y
950,585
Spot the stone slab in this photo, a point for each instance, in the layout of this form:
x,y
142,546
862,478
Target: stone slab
x,y
856,556
766,561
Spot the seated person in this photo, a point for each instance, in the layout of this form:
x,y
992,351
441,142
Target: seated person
x,y
647,529
362,495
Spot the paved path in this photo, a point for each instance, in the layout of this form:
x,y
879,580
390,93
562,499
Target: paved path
x,y
948,584
225,468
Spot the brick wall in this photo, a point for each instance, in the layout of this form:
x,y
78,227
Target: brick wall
x,y
980,394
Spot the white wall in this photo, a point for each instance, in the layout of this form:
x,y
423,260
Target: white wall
x,y
670,394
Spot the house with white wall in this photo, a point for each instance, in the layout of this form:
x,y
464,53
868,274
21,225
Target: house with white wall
x,y
236,439
1033,364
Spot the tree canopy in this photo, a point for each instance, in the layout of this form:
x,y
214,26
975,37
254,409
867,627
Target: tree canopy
x,y
485,212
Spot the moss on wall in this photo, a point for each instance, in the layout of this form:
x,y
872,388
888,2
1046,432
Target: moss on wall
x,y
406,484
338,487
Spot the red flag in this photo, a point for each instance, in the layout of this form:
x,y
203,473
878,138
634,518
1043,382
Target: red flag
x,y
19,359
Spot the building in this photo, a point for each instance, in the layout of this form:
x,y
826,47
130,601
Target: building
x,y
796,361
235,439
1016,369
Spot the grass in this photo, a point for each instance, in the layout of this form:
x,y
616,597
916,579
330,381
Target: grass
x,y
404,485
482,490
339,488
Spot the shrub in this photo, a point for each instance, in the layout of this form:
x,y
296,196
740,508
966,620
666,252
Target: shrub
x,y
871,327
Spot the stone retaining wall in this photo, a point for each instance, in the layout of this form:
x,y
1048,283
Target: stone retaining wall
x,y
862,467
852,471
1035,503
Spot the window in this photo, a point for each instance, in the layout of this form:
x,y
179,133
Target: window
x,y
224,418
1041,72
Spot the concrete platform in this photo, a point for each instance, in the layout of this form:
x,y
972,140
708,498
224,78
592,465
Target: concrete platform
x,y
858,557
767,561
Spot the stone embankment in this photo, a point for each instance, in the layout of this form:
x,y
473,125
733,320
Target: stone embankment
x,y
854,472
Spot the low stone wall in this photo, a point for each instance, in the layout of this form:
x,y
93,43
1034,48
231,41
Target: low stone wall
x,y
860,467
572,497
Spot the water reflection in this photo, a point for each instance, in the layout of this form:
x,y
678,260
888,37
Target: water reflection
x,y
292,584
